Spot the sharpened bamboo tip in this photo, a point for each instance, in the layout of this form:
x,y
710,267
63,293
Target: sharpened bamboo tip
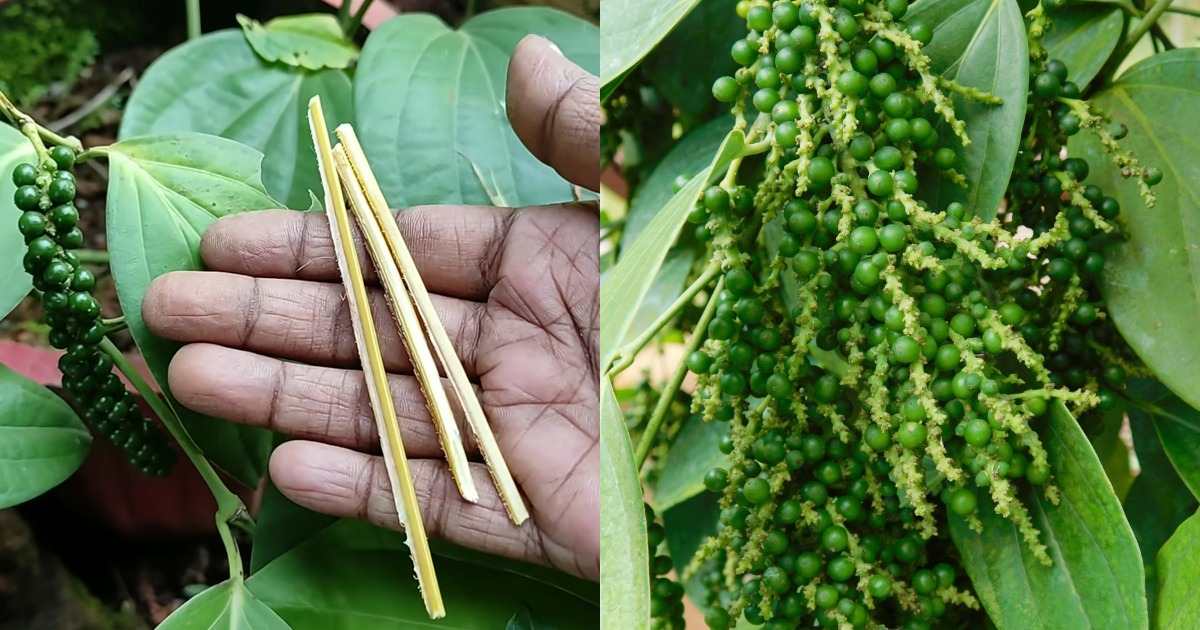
x,y
403,492
464,392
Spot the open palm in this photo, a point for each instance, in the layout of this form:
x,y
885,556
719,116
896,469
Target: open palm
x,y
271,344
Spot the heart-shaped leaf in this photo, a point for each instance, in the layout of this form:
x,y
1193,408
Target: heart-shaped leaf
x,y
14,149
313,41
431,114
980,44
1096,579
163,192
1154,99
217,85
1083,37
226,605
353,575
42,441
630,29
625,568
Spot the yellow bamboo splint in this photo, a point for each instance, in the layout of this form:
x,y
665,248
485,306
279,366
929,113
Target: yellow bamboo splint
x,y
448,358
403,492
401,306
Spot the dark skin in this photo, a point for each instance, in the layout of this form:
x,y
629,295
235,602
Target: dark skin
x,y
269,343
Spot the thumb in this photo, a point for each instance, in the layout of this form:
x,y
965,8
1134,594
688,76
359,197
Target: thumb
x,y
554,106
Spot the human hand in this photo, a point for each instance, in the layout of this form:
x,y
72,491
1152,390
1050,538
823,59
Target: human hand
x,y
270,343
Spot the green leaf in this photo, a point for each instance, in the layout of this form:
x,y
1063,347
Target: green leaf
x,y
163,192
630,29
217,85
312,41
226,605
353,575
681,76
1158,500
1177,607
430,107
1162,256
42,441
14,149
1083,37
625,569
1177,426
1096,580
689,156
687,525
693,453
692,154
282,526
980,44
626,283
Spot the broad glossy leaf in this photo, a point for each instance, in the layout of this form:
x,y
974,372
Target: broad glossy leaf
x,y
693,453
1177,426
684,78
218,85
42,441
226,605
431,114
1154,99
630,29
1178,565
14,149
313,41
353,575
163,192
1096,580
1158,500
625,563
981,44
626,283
1083,37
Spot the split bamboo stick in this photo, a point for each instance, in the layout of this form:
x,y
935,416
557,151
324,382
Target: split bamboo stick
x,y
448,358
403,492
401,306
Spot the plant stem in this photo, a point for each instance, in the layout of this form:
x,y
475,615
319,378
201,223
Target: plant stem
x,y
470,10
92,256
193,19
36,133
1143,25
626,354
230,508
1183,11
669,391
356,21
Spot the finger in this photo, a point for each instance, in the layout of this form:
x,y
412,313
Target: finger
x,y
347,483
455,248
294,319
304,401
554,106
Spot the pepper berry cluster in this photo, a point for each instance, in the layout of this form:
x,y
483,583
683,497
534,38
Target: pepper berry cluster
x,y
49,222
880,357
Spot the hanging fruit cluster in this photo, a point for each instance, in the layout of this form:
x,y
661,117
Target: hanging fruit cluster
x,y
883,363
49,222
